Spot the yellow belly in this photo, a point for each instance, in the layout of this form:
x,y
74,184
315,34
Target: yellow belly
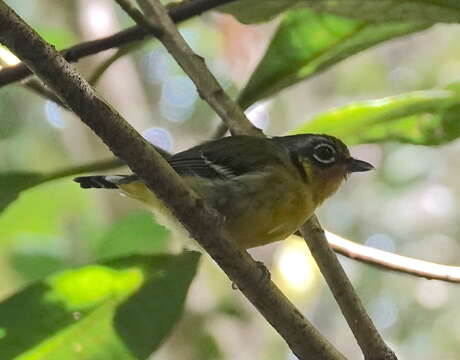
x,y
270,218
256,213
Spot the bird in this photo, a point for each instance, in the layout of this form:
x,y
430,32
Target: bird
x,y
265,188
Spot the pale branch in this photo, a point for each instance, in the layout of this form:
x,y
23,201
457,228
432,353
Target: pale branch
x,y
201,221
369,339
179,13
160,23
393,262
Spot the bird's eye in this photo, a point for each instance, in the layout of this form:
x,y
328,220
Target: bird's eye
x,y
324,153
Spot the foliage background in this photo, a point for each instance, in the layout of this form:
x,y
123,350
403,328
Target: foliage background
x,y
408,205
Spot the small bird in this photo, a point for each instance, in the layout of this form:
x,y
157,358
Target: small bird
x,y
265,188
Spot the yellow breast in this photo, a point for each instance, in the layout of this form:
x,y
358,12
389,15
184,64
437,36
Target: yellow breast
x,y
258,210
271,216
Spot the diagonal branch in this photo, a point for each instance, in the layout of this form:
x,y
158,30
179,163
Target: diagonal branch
x,y
201,221
38,88
180,12
369,339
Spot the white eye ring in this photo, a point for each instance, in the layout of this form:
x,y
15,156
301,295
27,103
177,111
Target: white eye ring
x,y
321,160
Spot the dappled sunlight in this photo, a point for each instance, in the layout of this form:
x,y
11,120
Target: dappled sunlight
x,y
178,98
87,287
431,294
295,267
159,137
7,58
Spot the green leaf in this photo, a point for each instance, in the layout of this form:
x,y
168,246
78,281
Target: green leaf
x,y
391,10
59,37
144,333
254,11
71,314
134,234
307,43
11,184
42,213
249,11
35,266
421,117
11,108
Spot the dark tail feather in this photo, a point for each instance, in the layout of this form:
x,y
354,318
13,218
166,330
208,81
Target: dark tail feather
x,y
104,182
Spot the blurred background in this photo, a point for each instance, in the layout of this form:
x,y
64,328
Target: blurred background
x,y
408,205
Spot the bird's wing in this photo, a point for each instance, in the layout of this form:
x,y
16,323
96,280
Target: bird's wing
x,y
225,158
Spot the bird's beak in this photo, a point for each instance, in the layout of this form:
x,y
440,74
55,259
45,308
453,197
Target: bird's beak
x,y
355,165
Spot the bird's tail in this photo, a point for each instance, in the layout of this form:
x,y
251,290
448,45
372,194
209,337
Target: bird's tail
x,y
104,182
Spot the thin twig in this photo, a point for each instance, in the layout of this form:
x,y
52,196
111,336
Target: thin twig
x,y
393,262
38,88
81,169
122,51
140,156
194,65
181,12
369,339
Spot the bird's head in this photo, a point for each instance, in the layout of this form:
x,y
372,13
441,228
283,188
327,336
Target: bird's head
x,y
324,160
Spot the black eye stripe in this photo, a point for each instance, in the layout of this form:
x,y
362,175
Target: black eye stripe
x,y
324,153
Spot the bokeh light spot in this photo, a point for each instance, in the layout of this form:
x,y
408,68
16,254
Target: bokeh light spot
x,y
296,266
381,241
159,137
53,115
384,312
8,57
157,66
178,98
431,294
259,115
437,200
99,19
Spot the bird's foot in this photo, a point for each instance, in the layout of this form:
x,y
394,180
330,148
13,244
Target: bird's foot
x,y
264,276
265,273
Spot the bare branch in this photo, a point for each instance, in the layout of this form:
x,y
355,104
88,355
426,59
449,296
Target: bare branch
x,y
102,68
394,262
201,221
38,88
183,11
370,341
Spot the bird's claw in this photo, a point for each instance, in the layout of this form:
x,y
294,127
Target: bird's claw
x,y
265,274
